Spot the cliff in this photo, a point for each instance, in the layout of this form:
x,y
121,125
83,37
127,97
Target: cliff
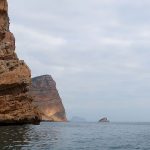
x,y
47,99
15,78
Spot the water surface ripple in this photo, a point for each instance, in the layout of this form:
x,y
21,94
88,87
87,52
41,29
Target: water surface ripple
x,y
76,136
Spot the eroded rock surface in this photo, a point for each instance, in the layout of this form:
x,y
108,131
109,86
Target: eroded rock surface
x,y
15,78
47,99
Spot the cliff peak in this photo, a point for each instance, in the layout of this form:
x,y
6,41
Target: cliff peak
x,y
47,99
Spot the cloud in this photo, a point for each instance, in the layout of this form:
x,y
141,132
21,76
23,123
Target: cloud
x,y
97,51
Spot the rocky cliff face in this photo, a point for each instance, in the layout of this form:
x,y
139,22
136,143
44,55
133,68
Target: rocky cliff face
x,y
47,99
15,77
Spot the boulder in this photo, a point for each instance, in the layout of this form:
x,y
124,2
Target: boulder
x,y
104,120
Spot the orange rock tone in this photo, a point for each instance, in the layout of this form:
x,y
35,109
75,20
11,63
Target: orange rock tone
x,y
15,78
47,99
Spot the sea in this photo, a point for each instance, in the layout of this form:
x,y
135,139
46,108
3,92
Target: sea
x,y
76,136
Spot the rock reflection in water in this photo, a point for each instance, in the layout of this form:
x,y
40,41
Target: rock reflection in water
x,y
27,137
14,136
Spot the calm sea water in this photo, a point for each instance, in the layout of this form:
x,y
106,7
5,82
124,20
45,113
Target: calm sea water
x,y
76,136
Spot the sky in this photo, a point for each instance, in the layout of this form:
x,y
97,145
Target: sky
x,y
97,51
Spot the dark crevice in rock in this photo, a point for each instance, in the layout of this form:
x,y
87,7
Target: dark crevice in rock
x,y
13,90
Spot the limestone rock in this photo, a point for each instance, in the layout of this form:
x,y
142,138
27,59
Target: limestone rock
x,y
15,78
104,120
47,99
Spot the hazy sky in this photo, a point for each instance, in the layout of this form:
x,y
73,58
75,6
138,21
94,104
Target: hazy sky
x,y
98,52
